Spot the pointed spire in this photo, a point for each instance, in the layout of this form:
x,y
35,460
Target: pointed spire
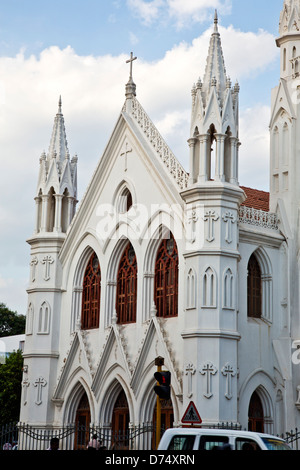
x,y
58,144
215,109
215,72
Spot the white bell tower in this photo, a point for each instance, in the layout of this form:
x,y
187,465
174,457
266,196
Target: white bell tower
x,y
213,198
285,123
56,199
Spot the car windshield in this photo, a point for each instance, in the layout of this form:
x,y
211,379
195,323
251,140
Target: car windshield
x,y
275,444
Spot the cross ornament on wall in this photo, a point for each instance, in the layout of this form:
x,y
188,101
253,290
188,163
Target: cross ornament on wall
x,y
125,154
229,220
39,383
211,217
209,370
190,371
229,372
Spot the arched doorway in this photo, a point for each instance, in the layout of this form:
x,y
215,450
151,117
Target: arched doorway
x,y
83,419
120,423
256,414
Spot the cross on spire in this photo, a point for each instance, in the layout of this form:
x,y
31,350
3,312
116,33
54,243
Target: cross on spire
x,y
130,61
130,87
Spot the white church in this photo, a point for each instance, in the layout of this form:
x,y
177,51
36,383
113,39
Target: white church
x,y
156,261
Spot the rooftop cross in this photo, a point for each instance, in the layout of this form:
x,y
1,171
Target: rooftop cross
x,y
131,61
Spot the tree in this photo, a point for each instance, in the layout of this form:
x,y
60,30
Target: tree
x,y
10,388
10,322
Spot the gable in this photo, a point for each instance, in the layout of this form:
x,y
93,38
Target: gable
x,y
154,345
130,156
76,361
113,356
282,103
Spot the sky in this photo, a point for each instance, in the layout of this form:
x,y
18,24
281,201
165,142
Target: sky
x,y
78,49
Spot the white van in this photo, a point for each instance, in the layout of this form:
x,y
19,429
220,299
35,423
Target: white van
x,y
191,439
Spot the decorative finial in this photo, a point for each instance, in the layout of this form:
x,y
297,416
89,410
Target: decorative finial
x,y
114,319
237,87
216,21
153,311
59,105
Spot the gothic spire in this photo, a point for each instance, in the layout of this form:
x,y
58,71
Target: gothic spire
x,y
57,182
215,72
215,118
58,145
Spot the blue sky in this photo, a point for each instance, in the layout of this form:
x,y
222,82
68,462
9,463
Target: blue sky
x,y
78,49
105,26
99,27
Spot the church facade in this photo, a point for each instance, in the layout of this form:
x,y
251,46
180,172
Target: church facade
x,y
159,262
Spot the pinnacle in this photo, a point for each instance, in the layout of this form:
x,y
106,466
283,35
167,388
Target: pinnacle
x,y
215,72
58,144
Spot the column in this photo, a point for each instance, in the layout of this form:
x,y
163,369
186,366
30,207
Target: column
x,y
193,177
38,215
219,172
204,164
45,199
58,207
233,161
71,203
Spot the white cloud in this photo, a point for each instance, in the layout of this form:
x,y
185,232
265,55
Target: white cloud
x,y
182,12
93,92
255,148
133,38
146,11
196,11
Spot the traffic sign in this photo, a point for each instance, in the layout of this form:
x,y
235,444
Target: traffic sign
x,y
191,416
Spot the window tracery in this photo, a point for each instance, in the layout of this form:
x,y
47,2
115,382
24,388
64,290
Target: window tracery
x,y
254,288
127,287
166,279
91,294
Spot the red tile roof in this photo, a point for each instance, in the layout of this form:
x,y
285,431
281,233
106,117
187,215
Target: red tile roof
x,y
257,199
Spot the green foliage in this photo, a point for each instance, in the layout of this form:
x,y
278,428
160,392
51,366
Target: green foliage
x,y
10,388
10,322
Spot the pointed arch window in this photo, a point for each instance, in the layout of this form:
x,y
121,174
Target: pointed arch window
x,y
29,320
191,290
285,143
125,201
127,287
166,279
209,298
91,294
44,319
51,210
254,288
228,301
